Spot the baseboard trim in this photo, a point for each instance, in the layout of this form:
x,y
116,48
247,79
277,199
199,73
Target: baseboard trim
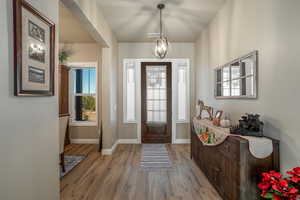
x,y
182,141
111,150
84,141
128,141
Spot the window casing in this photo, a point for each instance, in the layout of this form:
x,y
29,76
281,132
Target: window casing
x,y
129,91
182,86
180,89
83,94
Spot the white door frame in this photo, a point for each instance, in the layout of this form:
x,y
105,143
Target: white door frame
x,y
174,94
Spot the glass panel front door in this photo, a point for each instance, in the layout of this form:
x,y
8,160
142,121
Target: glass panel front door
x,y
156,85
156,81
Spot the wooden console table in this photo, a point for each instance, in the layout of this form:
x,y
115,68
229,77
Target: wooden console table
x,y
231,168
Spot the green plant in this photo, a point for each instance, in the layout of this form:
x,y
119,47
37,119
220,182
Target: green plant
x,y
89,103
64,54
85,117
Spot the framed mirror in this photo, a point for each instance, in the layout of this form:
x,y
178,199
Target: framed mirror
x,y
238,78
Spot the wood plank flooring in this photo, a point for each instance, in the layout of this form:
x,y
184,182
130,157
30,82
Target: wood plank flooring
x,y
119,177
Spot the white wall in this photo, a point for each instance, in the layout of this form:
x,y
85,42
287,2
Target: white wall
x,y
145,50
83,52
272,27
86,52
89,13
29,142
109,95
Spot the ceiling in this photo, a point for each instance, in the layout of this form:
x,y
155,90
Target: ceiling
x,y
131,20
70,29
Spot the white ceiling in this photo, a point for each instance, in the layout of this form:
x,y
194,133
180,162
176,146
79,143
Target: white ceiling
x,y
131,20
70,29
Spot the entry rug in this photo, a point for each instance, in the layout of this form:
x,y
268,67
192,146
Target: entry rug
x,y
71,161
155,157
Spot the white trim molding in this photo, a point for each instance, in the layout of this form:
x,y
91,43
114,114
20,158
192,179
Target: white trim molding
x,y
84,141
182,141
128,141
108,151
129,64
111,150
81,65
120,141
175,64
84,123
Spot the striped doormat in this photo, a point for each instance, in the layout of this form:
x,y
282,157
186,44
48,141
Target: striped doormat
x,y
155,156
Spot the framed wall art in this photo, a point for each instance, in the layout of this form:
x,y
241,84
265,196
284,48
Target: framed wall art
x,y
34,51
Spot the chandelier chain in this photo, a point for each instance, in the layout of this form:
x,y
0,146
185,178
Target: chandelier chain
x,y
160,12
161,47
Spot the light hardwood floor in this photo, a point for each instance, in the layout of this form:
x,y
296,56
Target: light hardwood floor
x,y
118,177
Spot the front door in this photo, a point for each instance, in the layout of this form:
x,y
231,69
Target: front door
x,y
156,102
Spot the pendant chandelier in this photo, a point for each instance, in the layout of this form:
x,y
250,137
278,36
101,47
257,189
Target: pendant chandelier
x,y
162,44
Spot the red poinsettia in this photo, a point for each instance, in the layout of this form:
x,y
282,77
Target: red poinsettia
x,y
274,187
295,174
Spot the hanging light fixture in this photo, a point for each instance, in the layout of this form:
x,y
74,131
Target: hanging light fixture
x,y
162,44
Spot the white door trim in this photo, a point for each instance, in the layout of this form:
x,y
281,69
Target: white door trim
x,y
138,94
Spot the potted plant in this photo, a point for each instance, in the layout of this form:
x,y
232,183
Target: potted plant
x,y
274,186
64,53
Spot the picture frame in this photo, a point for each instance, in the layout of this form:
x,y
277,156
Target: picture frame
x,y
34,51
